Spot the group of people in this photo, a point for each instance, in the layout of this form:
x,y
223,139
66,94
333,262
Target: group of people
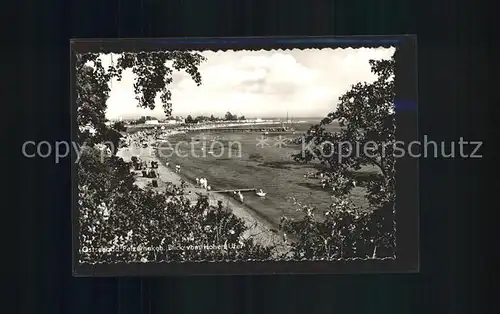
x,y
149,173
139,165
203,183
172,189
147,170
314,175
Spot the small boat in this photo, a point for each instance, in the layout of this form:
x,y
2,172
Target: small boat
x,y
261,193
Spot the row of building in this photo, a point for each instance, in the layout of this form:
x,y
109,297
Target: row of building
x,y
174,121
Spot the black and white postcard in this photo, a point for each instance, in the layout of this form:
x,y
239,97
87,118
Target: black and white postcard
x,y
244,156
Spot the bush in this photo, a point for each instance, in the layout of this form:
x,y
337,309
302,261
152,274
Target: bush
x,y
344,232
365,114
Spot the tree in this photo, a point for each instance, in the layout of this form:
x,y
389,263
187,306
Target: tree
x,y
242,118
229,116
92,91
113,140
141,120
119,126
366,115
189,119
212,118
201,119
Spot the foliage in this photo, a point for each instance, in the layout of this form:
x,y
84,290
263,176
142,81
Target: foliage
x,y
189,120
92,91
141,120
230,117
114,139
200,119
366,115
119,126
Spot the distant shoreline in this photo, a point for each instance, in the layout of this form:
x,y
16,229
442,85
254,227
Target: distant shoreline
x,y
194,126
295,119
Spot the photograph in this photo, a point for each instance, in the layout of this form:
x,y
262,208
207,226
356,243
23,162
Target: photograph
x,y
217,156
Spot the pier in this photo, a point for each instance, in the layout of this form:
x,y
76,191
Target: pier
x,y
235,190
259,130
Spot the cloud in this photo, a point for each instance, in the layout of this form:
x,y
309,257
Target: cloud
x,y
279,74
305,83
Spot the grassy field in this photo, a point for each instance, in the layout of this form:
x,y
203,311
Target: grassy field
x,y
240,163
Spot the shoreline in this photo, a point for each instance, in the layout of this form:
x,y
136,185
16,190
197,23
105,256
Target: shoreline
x,y
258,228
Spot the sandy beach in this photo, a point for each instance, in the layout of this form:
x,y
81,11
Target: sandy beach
x,y
260,230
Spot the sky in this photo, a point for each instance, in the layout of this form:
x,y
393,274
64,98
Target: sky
x,y
302,83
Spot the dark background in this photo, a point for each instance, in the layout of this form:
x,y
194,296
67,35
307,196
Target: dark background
x,y
453,64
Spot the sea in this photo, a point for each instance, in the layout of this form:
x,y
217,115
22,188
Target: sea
x,y
241,160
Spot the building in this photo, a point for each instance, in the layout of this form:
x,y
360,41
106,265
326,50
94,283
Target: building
x,y
151,122
172,121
